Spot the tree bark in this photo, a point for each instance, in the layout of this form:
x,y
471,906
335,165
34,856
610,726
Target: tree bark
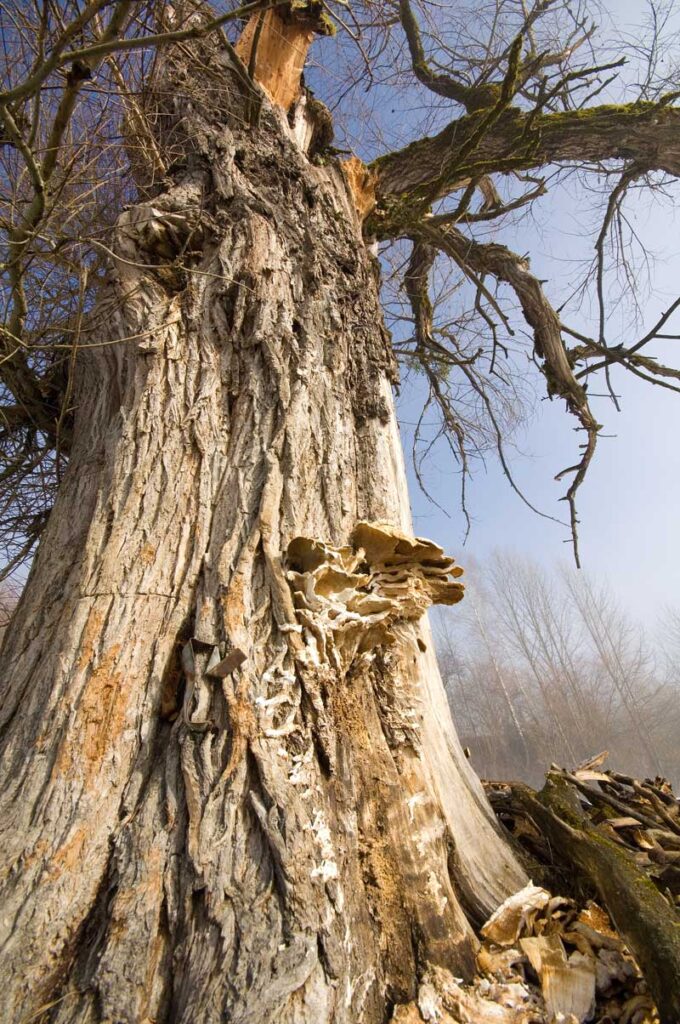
x,y
645,133
295,836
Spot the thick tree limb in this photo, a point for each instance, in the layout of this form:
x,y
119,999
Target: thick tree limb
x,y
416,284
648,133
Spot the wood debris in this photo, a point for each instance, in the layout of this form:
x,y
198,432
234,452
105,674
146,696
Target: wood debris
x,y
512,917
642,817
584,970
543,960
600,833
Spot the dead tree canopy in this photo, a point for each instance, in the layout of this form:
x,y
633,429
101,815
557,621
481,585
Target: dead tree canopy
x,y
511,109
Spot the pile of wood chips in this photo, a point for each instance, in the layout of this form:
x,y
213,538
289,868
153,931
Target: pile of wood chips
x,y
612,843
568,948
544,959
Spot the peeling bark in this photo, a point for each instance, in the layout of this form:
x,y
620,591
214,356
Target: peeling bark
x,y
189,834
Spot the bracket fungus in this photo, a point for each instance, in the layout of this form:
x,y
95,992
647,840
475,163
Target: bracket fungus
x,y
350,600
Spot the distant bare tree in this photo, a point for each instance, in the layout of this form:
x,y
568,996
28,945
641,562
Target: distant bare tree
x,y
545,667
624,662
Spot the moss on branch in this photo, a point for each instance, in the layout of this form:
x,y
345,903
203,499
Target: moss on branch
x,y
511,139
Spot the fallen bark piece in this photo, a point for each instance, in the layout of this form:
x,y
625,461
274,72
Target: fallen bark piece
x,y
506,924
566,965
567,983
588,775
593,763
622,822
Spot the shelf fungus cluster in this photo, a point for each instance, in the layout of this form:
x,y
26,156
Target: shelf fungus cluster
x,y
350,600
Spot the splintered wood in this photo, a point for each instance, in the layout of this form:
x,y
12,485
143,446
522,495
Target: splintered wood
x,y
542,961
280,52
362,183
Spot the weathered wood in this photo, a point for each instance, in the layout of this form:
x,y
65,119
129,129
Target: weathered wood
x,y
275,49
289,842
642,916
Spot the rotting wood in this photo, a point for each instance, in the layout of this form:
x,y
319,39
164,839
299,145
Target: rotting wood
x,y
622,858
544,959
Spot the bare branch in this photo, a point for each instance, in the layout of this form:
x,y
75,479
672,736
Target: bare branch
x,y
549,346
646,133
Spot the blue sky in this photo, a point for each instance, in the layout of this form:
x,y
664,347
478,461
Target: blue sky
x,y
630,503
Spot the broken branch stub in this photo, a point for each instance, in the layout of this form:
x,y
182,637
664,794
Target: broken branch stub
x,y
274,45
350,600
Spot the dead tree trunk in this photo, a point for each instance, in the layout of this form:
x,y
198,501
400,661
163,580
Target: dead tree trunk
x,y
293,836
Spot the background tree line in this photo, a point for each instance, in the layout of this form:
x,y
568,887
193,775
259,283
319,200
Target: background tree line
x,y
546,666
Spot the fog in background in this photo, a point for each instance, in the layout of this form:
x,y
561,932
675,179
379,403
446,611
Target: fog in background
x,y
547,666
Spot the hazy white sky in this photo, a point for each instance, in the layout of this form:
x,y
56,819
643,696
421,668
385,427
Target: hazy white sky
x,y
630,502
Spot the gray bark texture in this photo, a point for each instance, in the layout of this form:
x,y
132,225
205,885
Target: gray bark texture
x,y
232,790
